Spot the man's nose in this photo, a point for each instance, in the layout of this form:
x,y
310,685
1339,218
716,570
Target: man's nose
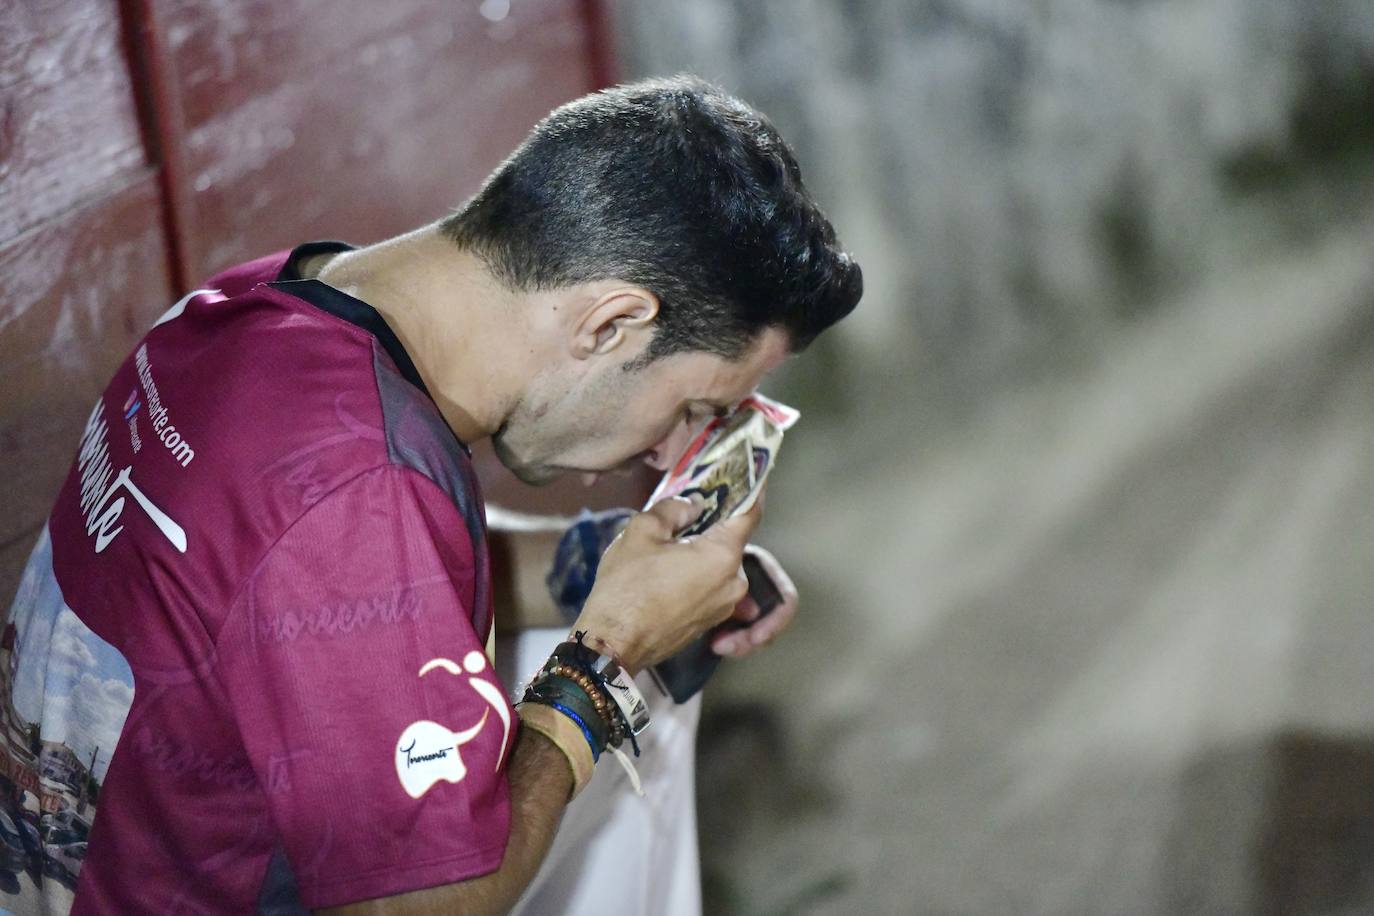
x,y
662,456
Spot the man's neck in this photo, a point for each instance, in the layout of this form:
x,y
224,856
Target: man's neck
x,y
460,326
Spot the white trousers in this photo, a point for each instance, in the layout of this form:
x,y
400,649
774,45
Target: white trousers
x,y
616,852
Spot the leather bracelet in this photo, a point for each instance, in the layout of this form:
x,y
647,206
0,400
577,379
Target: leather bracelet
x,y
578,675
566,736
549,689
618,684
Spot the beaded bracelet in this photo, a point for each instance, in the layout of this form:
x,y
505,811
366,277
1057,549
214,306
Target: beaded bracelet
x,y
603,705
608,675
578,683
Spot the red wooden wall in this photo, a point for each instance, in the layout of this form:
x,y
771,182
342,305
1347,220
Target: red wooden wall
x,y
145,144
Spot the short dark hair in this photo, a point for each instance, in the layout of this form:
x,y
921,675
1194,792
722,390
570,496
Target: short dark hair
x,y
674,185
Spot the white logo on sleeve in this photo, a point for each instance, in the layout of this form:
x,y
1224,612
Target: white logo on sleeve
x,y
428,752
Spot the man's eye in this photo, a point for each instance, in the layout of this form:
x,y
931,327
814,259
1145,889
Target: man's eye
x,y
698,414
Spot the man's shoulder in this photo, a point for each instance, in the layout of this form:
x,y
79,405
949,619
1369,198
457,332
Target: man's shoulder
x,y
301,401
283,398
240,278
237,413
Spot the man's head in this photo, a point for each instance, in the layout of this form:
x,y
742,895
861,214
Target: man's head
x,y
684,210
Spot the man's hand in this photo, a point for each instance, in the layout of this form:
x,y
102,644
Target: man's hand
x,y
656,592
756,632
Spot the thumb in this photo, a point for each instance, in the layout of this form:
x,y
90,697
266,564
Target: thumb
x,y
736,530
676,513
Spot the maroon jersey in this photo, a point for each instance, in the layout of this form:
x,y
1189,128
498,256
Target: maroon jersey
x,y
244,670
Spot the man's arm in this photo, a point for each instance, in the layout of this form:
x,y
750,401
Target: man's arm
x,y
654,594
522,552
540,782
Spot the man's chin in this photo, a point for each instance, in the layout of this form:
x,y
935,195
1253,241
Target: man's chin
x,y
543,475
537,475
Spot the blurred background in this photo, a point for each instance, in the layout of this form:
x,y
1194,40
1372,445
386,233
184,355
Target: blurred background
x,y
1082,500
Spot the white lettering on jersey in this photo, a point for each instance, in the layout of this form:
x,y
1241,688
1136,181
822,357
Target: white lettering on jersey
x,y
157,412
99,483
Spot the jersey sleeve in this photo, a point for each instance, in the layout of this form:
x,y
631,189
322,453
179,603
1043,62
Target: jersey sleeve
x,y
371,714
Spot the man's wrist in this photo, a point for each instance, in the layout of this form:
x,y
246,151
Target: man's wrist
x,y
608,648
610,641
613,676
560,731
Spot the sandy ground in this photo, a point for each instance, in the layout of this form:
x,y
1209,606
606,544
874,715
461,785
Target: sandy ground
x,y
1103,648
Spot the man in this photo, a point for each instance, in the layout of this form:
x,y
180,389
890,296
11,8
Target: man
x,y
248,666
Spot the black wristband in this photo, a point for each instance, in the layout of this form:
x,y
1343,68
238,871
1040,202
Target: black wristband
x,y
554,689
577,655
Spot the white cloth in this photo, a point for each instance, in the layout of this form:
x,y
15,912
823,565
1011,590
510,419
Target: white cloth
x,y
616,852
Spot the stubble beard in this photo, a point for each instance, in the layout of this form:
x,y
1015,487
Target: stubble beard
x,y
566,426
536,475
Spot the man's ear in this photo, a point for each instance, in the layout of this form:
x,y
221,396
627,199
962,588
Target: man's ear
x,y
618,316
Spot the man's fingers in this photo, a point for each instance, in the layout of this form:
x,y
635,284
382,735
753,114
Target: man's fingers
x,y
736,530
762,630
780,619
729,642
739,643
746,611
675,514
